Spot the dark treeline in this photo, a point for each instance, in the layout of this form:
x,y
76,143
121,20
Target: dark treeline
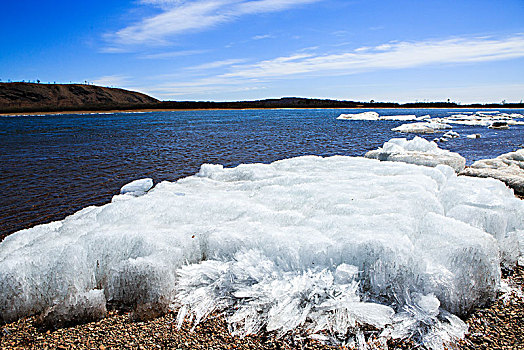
x,y
296,102
29,97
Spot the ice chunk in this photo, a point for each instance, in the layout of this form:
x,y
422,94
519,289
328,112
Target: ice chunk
x,y
508,168
473,136
137,188
428,127
359,116
375,116
451,135
330,245
421,128
417,151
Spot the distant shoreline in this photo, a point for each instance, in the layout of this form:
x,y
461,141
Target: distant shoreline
x,y
149,110
18,99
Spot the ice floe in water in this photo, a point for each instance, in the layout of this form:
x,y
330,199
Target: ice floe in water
x,y
359,116
429,127
332,245
375,116
417,151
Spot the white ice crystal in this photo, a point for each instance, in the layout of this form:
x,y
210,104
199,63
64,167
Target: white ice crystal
x,y
331,245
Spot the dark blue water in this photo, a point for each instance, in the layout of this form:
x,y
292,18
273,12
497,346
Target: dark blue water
x,y
52,166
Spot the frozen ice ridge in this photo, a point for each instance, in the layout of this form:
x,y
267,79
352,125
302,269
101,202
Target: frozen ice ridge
x,y
336,246
417,151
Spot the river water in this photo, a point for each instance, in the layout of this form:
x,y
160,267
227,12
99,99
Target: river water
x,y
54,165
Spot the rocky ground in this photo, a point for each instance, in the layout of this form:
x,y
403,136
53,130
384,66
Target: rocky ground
x,y
117,332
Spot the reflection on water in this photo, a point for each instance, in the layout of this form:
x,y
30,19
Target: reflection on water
x,y
52,166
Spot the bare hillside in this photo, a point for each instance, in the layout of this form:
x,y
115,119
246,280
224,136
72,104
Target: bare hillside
x,y
27,97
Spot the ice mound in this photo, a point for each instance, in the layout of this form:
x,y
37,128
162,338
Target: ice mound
x,y
137,187
473,136
375,116
428,127
417,151
336,245
359,116
508,168
483,118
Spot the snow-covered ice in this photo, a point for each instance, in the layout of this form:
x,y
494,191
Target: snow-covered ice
x,y
473,136
325,244
359,116
508,168
428,127
375,116
417,151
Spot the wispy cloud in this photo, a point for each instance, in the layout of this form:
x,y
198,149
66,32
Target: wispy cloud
x,y
217,64
178,17
264,36
172,54
391,55
395,55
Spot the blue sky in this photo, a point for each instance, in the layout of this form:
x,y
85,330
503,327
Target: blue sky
x,y
465,50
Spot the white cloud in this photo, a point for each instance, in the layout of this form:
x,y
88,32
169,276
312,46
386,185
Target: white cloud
x,y
260,37
166,55
394,55
217,64
178,17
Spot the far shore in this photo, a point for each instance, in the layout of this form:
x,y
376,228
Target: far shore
x,y
148,110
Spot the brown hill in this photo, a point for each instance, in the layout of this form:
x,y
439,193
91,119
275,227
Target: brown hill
x,y
28,97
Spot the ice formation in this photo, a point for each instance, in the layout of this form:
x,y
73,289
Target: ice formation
x,y
508,168
375,116
417,151
484,118
428,127
359,116
451,135
473,136
332,245
135,188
